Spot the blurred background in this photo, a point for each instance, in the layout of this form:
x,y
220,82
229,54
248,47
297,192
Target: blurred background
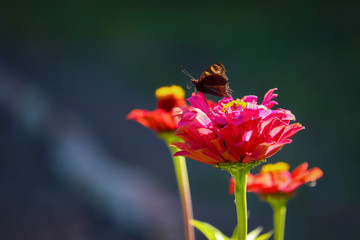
x,y
72,166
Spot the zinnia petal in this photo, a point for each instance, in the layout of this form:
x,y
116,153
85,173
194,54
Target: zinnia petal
x,y
161,119
268,97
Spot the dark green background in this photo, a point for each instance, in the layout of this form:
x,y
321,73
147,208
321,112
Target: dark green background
x,y
100,60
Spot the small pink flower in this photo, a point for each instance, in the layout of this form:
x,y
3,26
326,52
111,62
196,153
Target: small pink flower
x,y
277,179
233,130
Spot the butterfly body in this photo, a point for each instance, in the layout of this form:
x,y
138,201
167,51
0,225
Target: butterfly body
x,y
213,81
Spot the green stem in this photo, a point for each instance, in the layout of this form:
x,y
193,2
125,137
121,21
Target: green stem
x,y
183,183
240,177
278,204
184,191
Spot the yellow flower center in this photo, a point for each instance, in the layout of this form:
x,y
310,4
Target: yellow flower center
x,y
276,167
173,91
235,104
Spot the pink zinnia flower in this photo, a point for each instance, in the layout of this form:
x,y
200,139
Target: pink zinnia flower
x,y
277,179
233,130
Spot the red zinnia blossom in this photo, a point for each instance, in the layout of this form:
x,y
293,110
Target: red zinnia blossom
x,y
277,179
161,119
233,130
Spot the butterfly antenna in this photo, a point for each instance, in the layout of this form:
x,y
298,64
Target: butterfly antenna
x,y
186,72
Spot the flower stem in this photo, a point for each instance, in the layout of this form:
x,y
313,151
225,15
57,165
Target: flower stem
x,y
240,177
278,205
184,191
183,183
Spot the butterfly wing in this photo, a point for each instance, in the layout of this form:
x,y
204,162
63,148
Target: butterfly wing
x,y
217,68
216,85
214,81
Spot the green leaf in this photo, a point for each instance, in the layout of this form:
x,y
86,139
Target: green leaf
x,y
213,233
254,233
209,231
265,236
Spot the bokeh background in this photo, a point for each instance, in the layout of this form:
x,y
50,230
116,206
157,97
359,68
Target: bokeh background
x,y
72,166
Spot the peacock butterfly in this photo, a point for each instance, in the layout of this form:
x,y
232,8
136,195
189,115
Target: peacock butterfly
x,y
213,81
